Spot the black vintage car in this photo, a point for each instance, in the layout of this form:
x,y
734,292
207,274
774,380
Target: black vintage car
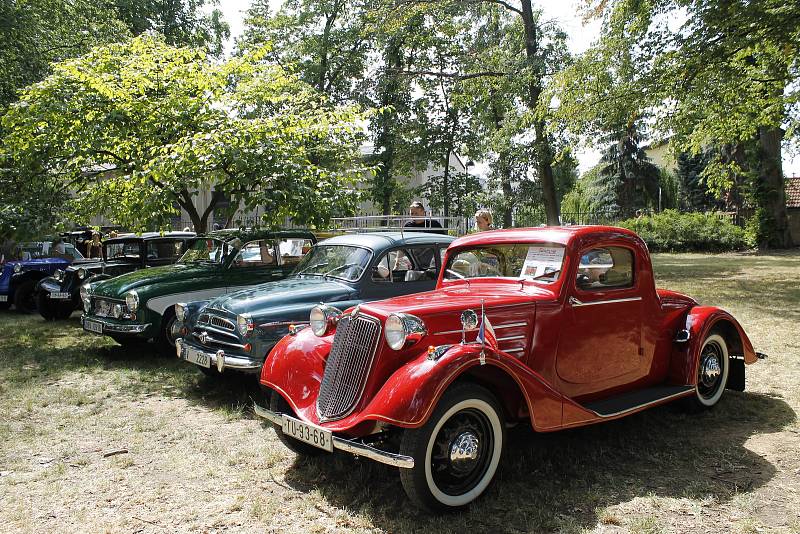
x,y
59,295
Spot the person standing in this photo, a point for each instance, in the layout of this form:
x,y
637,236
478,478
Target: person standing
x,y
483,220
94,248
422,221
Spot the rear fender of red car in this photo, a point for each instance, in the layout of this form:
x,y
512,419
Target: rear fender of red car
x,y
700,321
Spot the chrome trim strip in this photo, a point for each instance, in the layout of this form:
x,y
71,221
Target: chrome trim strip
x,y
137,328
510,325
510,338
577,303
519,349
218,342
351,446
276,324
240,363
211,328
449,332
646,404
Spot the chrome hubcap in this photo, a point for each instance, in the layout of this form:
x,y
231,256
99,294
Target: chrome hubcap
x,y
464,450
710,370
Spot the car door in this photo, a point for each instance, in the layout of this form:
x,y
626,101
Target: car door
x,y
290,251
256,262
600,343
403,271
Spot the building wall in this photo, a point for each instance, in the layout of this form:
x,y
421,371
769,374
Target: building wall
x,y
794,224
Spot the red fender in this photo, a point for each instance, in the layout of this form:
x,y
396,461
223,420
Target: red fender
x,y
699,322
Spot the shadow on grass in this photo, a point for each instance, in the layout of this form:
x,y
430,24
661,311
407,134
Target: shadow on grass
x,y
564,480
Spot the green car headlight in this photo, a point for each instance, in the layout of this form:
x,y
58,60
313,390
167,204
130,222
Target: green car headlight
x,y
132,300
245,324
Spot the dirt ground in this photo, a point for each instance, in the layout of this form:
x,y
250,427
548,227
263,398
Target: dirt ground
x,y
97,438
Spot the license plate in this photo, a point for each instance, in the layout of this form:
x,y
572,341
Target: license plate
x,y
60,295
313,435
93,326
3,298
196,357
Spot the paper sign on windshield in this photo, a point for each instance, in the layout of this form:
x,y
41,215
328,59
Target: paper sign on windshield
x,y
541,261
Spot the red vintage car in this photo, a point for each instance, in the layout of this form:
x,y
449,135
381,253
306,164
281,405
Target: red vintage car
x,y
556,327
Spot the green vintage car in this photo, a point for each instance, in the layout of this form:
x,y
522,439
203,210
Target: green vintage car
x,y
139,306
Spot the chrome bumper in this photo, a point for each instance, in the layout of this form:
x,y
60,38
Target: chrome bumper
x,y
114,328
219,359
348,445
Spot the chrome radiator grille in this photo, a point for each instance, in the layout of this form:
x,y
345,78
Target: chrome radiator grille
x,y
219,322
346,371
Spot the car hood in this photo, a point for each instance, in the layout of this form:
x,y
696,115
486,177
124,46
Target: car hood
x,y
115,287
461,296
268,298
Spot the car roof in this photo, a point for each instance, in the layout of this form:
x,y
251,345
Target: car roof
x,y
564,235
257,233
381,240
150,235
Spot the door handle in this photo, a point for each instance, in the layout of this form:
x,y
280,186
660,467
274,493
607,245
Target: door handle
x,y
575,302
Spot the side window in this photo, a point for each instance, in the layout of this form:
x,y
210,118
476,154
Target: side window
x,y
292,249
394,266
424,264
259,253
603,268
164,250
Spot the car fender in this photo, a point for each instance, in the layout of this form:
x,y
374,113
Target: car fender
x,y
700,320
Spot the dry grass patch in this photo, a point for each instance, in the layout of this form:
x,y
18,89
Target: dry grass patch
x,y
196,459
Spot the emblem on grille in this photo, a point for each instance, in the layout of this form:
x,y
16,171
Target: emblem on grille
x,y
355,312
204,337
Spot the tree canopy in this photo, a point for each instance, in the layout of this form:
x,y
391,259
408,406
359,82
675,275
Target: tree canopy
x,y
134,130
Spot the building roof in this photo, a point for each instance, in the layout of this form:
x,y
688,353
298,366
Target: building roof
x,y
793,192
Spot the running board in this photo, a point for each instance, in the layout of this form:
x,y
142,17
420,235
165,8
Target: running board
x,y
636,400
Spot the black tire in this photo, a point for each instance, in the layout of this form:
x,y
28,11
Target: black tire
x,y
278,404
46,307
63,310
165,342
713,367
25,297
456,453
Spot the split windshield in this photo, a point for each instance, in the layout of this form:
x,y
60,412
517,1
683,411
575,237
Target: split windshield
x,y
337,261
541,262
207,250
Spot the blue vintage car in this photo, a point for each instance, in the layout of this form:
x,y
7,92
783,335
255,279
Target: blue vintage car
x,y
237,330
18,278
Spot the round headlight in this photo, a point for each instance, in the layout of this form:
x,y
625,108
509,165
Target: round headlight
x,y
17,267
132,300
81,273
84,291
87,305
402,329
118,311
322,318
58,275
180,311
245,324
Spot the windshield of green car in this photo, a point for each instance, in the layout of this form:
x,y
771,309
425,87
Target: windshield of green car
x,y
344,262
540,262
206,250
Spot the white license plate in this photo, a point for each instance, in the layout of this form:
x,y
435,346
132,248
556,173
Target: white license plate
x,y
3,298
313,435
196,357
60,295
93,326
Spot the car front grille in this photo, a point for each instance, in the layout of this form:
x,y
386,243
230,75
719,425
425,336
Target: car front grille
x,y
346,371
218,332
219,322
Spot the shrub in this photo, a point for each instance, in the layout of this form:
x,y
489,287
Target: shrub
x,y
673,231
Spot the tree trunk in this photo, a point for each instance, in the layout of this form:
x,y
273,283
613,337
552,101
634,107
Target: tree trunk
x,y
772,195
542,149
199,222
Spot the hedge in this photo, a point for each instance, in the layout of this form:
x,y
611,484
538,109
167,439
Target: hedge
x,y
673,231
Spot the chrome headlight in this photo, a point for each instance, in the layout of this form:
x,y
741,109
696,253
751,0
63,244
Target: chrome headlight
x,y
81,273
180,311
85,292
245,324
132,300
323,318
402,330
118,311
17,267
58,275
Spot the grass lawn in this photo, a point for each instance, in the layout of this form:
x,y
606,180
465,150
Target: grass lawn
x,y
97,438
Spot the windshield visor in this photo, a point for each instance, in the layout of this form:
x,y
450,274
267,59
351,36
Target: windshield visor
x,y
206,250
541,262
337,261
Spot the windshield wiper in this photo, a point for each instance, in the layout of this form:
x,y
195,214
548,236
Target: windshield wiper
x,y
543,275
320,264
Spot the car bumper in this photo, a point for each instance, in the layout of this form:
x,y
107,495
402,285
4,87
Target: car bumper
x,y
348,445
111,327
54,291
219,359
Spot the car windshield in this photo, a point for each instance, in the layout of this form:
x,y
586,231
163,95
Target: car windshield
x,y
206,249
524,261
130,250
344,262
